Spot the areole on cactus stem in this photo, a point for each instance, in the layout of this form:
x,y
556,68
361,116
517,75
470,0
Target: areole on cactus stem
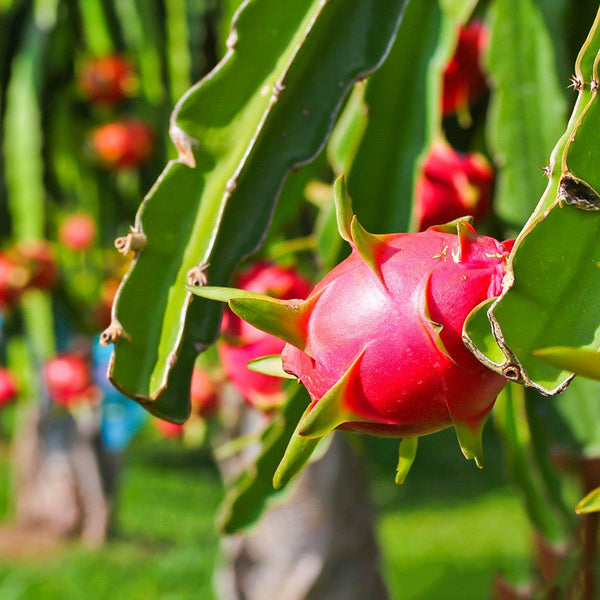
x,y
378,343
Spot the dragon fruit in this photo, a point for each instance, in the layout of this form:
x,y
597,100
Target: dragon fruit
x,y
241,343
452,185
464,80
378,342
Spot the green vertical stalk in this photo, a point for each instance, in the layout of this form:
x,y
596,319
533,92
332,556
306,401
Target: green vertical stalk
x,y
138,30
178,51
95,28
24,166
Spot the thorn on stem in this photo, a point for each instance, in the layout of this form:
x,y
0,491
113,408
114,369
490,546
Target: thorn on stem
x,y
511,372
547,170
196,276
113,333
576,83
132,242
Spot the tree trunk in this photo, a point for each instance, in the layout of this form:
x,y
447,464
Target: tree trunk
x,y
63,476
318,543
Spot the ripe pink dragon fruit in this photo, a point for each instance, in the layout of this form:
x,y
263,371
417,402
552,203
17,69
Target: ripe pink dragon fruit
x,y
242,342
464,80
68,378
378,342
452,185
9,389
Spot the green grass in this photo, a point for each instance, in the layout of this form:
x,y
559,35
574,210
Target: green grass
x,y
443,534
166,543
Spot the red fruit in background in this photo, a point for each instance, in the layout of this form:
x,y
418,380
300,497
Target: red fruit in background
x,y
13,281
102,311
204,393
8,387
168,430
452,185
242,342
463,77
107,80
123,144
77,231
37,257
68,379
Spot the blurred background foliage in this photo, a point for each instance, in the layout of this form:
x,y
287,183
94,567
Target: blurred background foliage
x,y
71,148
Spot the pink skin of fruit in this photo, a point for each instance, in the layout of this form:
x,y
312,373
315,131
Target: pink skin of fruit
x,y
378,343
463,77
168,430
452,185
405,379
242,342
77,232
8,387
107,80
204,393
69,381
123,144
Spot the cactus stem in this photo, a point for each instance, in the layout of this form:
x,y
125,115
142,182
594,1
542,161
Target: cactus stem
x,y
113,333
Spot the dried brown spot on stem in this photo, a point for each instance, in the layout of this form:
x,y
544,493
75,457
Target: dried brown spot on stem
x,y
132,242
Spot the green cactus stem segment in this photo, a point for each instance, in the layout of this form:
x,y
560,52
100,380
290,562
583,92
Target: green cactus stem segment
x,y
328,413
406,457
285,319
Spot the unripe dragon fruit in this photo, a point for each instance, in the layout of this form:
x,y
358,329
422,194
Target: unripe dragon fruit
x,y
378,342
